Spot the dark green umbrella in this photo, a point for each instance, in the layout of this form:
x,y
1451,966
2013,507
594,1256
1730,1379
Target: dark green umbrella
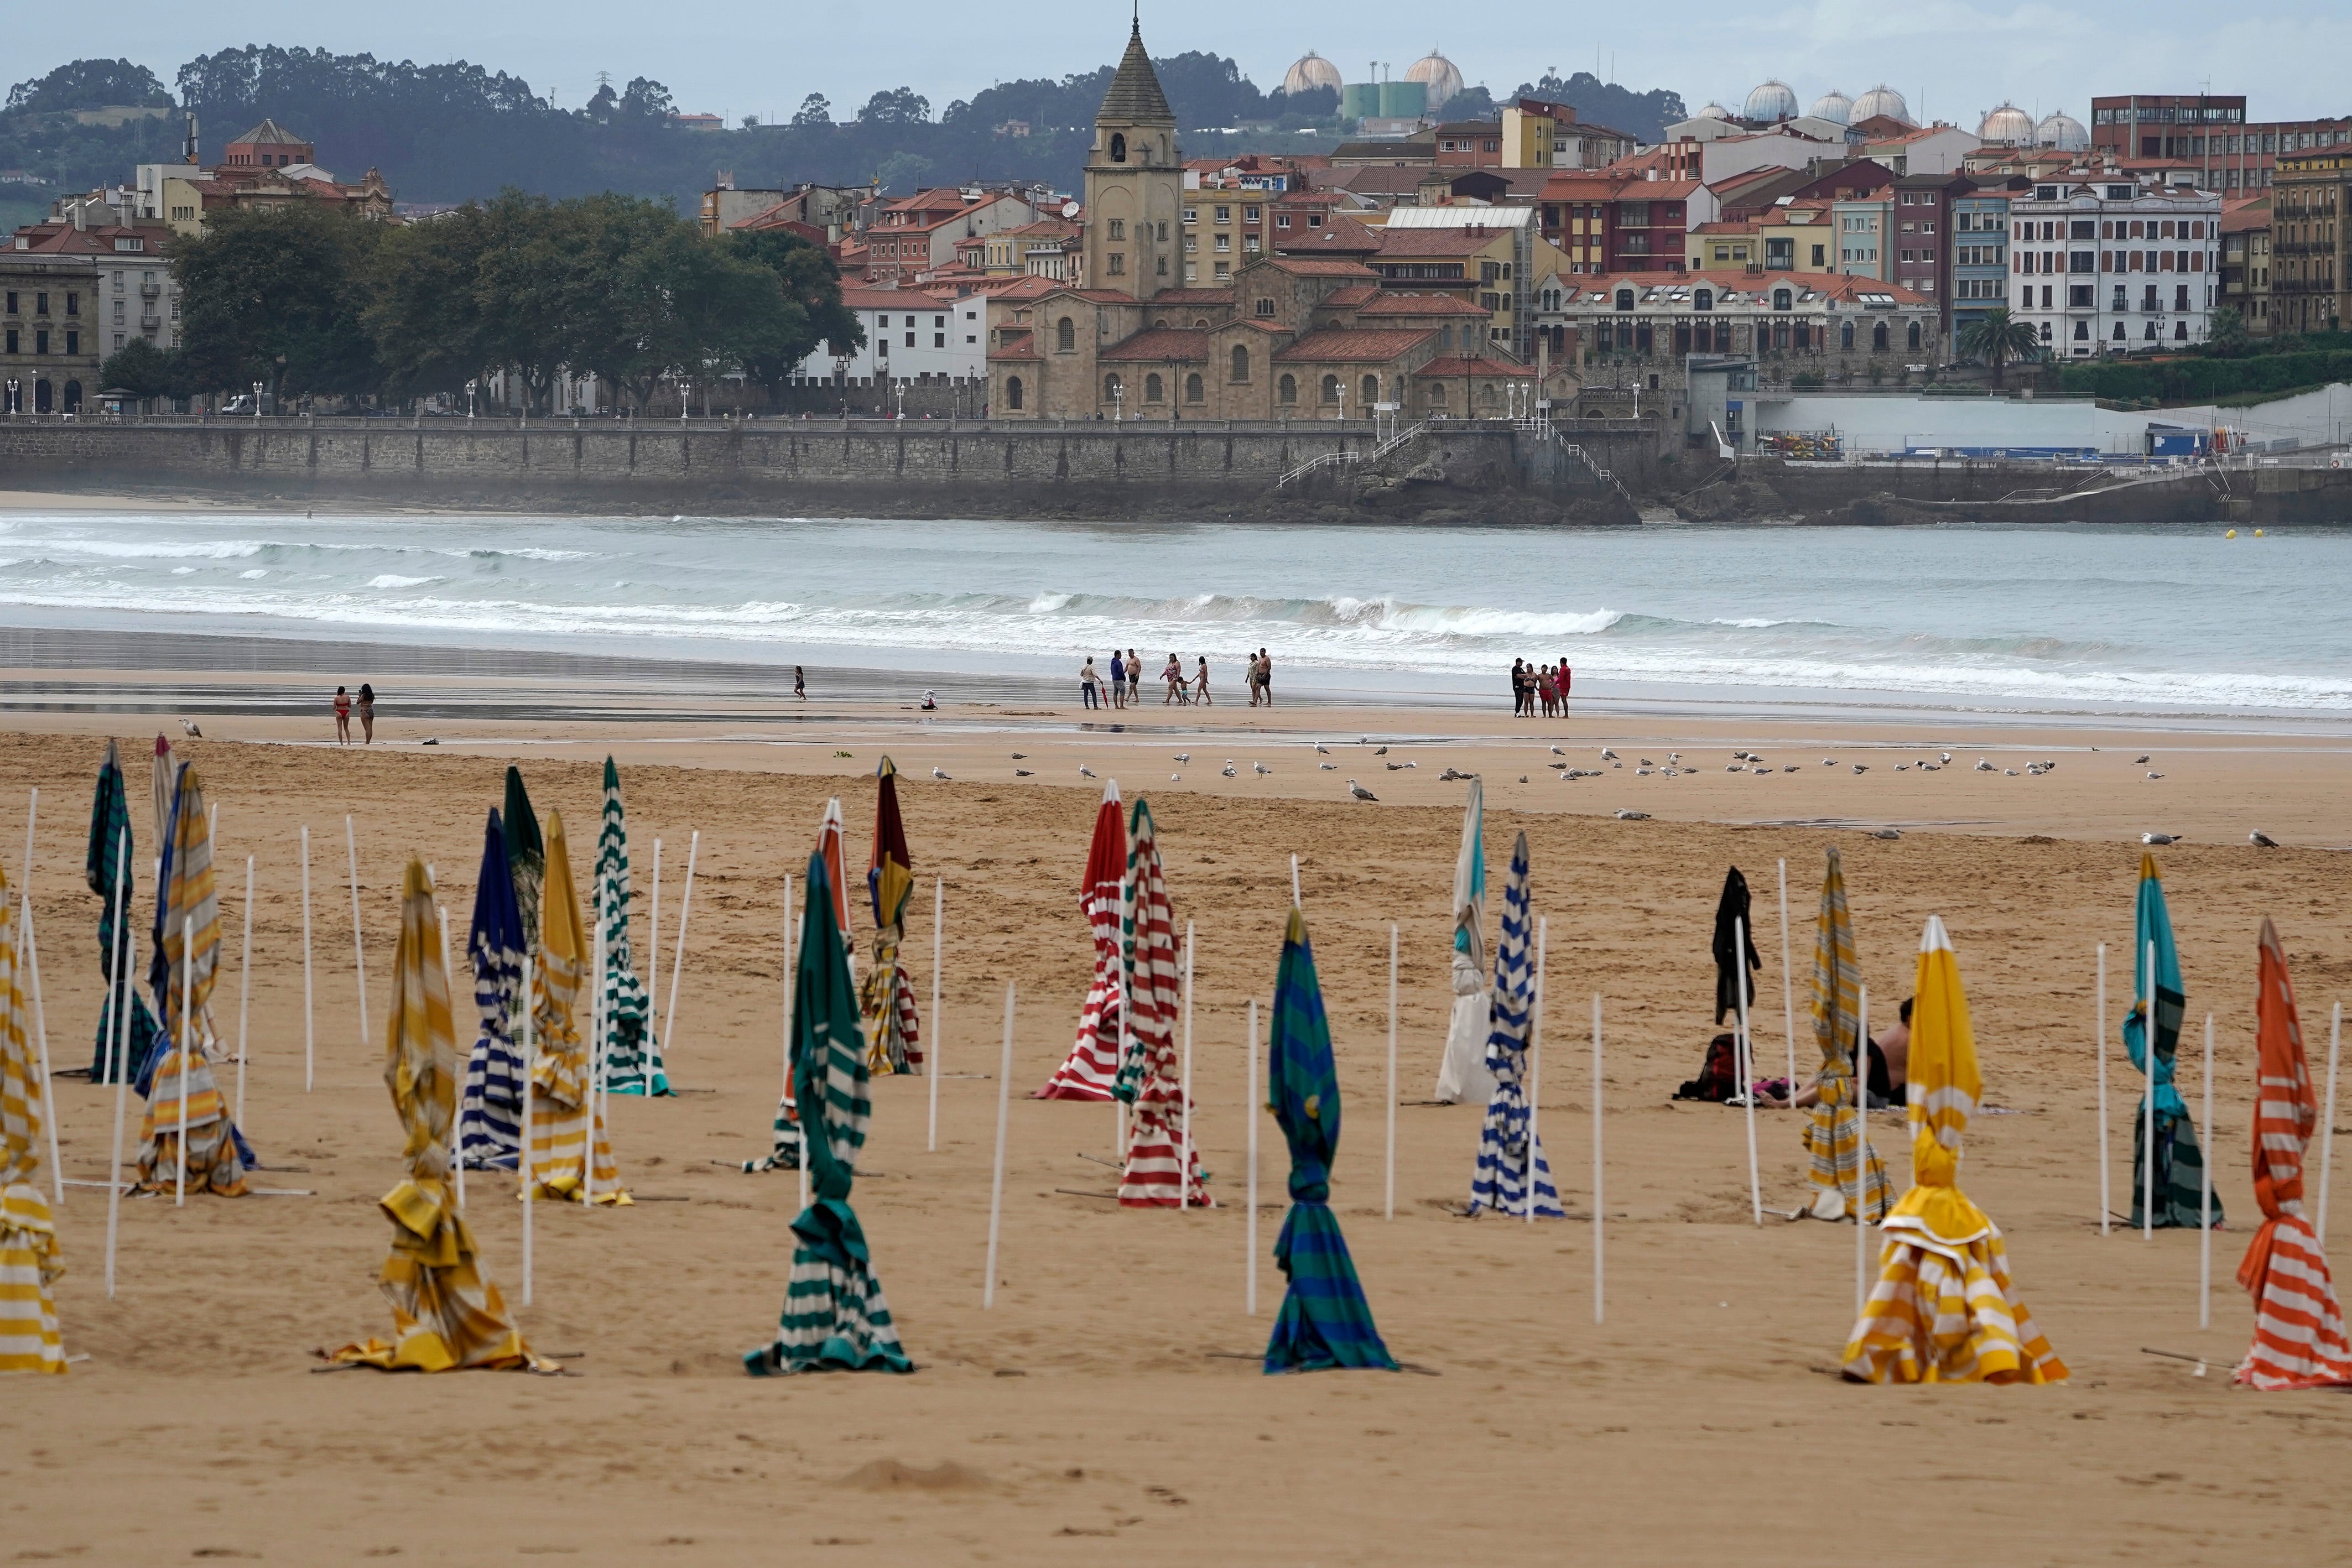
x,y
1324,1320
834,1317
525,857
110,824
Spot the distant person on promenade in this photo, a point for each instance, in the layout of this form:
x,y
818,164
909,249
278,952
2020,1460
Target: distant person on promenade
x,y
799,682
1087,681
1134,678
367,712
1117,680
342,716
1200,685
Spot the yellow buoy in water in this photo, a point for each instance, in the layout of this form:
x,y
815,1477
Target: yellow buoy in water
x,y
2230,535
2258,533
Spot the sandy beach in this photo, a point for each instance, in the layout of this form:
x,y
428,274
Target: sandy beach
x,y
1110,1403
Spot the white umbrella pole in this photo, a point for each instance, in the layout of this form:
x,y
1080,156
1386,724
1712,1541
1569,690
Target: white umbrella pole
x,y
32,809
2104,1215
456,1147
1250,1098
678,954
1599,1297
523,1160
1861,1153
932,1063
1294,883
309,1050
244,990
2147,1139
595,1050
2328,1124
2205,1198
1184,1149
1746,1057
800,1126
653,965
41,1035
1535,1060
996,1181
1391,1107
359,950
1788,985
187,1003
122,1004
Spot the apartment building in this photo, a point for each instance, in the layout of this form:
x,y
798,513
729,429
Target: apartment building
x,y
1979,248
2211,132
2246,261
1920,247
49,340
2311,274
2103,264
1224,227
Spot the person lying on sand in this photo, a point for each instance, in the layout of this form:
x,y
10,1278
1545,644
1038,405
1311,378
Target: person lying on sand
x,y
1890,1062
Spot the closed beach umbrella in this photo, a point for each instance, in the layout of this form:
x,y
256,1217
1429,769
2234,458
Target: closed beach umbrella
x,y
1833,1134
567,1119
2298,1332
162,779
633,1063
183,973
103,868
526,856
1734,967
1506,1153
1324,1320
1462,1072
1092,1066
444,1315
1943,1310
2180,1164
1150,1078
490,1124
828,885
834,1316
31,1261
893,1029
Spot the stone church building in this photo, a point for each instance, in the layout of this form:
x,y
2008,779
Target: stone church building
x,y
1308,332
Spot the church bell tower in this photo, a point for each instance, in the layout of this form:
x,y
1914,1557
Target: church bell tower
x,y
1135,186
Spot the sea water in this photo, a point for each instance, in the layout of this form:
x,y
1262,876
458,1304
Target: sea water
x,y
2054,619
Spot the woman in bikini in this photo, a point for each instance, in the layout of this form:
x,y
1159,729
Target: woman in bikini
x,y
342,716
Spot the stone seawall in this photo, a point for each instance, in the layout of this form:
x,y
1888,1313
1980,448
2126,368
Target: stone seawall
x,y
901,469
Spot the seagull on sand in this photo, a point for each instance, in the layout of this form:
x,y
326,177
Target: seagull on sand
x,y
1828,762
1393,766
1021,773
190,726
1229,769
1633,816
940,773
1323,749
1983,767
1380,751
1020,757
1887,834
1945,756
1556,751
1260,768
1607,755
2155,775
1183,757
2262,840
1359,792
2139,761
1085,771
2159,837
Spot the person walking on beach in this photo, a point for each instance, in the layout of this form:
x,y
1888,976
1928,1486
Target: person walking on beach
x,y
1087,681
367,712
1173,676
1548,692
1134,678
799,682
1567,676
342,716
1266,675
1117,680
1200,685
1518,689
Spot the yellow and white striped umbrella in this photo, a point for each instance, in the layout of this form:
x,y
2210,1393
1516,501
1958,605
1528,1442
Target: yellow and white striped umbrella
x,y
29,1259
567,1120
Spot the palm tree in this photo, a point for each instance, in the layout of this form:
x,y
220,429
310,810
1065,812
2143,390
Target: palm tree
x,y
1997,337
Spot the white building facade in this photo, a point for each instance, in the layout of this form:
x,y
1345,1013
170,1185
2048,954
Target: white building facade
x,y
910,336
2102,264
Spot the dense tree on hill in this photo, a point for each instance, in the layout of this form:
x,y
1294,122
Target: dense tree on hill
x,y
1641,115
89,84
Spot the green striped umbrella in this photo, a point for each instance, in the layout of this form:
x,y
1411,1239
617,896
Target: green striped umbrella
x,y
633,1060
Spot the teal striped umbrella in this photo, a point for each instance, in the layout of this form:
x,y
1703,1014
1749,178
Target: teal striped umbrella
x,y
835,1318
632,1059
2180,1164
110,821
1324,1320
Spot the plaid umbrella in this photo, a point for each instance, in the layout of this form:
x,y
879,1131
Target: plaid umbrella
x,y
216,1156
568,1119
1732,969
2298,1332
1943,1310
1150,1078
490,1124
2180,1164
1462,1072
827,884
632,1055
110,821
30,1261
444,1315
1505,1150
1833,1135
887,998
834,1317
1324,1320
526,856
1092,1066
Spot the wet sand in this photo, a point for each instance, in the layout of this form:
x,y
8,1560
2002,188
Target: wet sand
x,y
1108,1407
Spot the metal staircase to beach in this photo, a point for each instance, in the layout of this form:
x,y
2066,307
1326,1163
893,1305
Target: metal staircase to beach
x,y
1350,454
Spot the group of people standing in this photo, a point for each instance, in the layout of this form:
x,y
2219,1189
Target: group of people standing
x,y
343,715
1540,686
1123,688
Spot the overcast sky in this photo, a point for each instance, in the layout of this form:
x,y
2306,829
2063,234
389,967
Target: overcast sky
x,y
1953,57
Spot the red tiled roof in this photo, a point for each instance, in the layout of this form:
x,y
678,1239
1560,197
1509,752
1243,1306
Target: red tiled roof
x,y
1339,234
1352,343
1834,286
1319,266
857,299
1458,367
1351,297
1437,242
1192,298
1392,302
1183,345
1015,344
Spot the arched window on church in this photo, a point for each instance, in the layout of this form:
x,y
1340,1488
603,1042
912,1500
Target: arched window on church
x,y
1240,363
1915,334
1113,390
1371,392
1118,148
1153,390
1065,335
1012,393
1193,390
1287,390
1878,337
1331,389
1846,336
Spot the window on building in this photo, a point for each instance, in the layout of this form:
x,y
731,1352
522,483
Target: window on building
x,y
1118,264
1012,393
1845,336
1331,390
1065,335
1287,390
1118,148
1241,361
1193,390
1114,389
2082,332
1914,335
1265,308
1117,228
1370,392
1153,391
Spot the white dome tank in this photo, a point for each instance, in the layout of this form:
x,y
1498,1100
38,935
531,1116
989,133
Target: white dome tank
x,y
1436,73
1881,102
2008,124
1834,107
2064,132
1312,71
1770,103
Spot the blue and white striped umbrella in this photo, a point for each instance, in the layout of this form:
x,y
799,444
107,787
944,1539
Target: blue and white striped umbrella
x,y
490,1121
1505,1149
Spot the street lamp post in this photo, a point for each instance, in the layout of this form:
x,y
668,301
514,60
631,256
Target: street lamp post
x,y
841,373
15,396
257,400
